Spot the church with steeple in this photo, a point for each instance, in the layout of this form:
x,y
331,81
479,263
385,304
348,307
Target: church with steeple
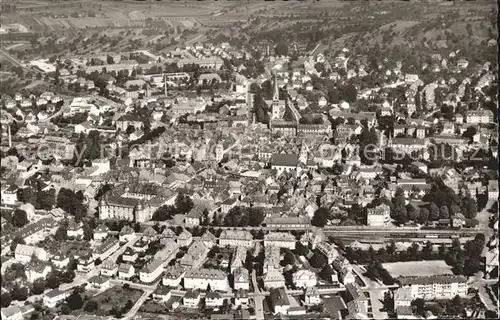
x,y
276,105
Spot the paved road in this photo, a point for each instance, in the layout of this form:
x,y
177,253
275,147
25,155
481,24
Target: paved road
x,y
257,299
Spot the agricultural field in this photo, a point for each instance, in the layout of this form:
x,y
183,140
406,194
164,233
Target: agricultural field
x,y
417,268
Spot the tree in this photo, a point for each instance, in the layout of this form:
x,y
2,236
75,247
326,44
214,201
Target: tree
x,y
75,300
301,249
318,260
469,207
320,217
434,212
91,306
455,306
52,280
255,216
183,203
13,244
289,258
19,218
419,307
61,233
5,299
444,213
19,293
38,286
424,215
205,218
281,48
130,129
110,60
326,273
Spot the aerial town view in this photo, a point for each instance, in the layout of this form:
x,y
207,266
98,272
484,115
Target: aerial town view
x,y
165,159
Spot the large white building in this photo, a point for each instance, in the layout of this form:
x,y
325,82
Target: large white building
x,y
23,253
304,279
151,271
280,239
201,278
479,116
379,216
433,287
236,238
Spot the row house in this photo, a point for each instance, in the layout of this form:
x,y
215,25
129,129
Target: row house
x,y
433,287
109,246
202,278
280,240
151,271
236,238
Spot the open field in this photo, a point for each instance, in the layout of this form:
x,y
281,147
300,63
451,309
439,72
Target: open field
x,y
116,297
417,268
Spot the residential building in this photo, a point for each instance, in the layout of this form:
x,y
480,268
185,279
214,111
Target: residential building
x,y
271,259
99,283
208,239
379,216
126,271
311,296
192,299
12,313
37,271
162,294
109,246
109,268
185,238
24,253
304,278
130,255
236,238
173,275
279,301
241,279
101,232
201,278
354,293
214,300
280,239
274,279
52,298
241,298
434,287
151,271
59,261
86,263
328,250
479,116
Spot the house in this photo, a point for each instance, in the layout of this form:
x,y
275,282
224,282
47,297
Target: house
x,y
379,216
162,294
195,255
130,255
202,278
173,275
328,250
479,116
140,245
280,239
356,310
99,283
126,271
236,238
109,246
60,261
54,297
241,279
241,298
9,194
126,234
271,259
354,293
285,163
101,232
12,313
227,205
433,287
279,301
185,238
304,278
311,296
37,271
214,300
86,263
193,217
208,239
109,268
23,253
151,271
192,299
274,279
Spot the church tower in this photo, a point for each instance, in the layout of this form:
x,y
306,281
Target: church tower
x,y
277,106
303,153
219,152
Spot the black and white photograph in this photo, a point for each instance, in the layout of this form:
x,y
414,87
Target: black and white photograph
x,y
249,159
